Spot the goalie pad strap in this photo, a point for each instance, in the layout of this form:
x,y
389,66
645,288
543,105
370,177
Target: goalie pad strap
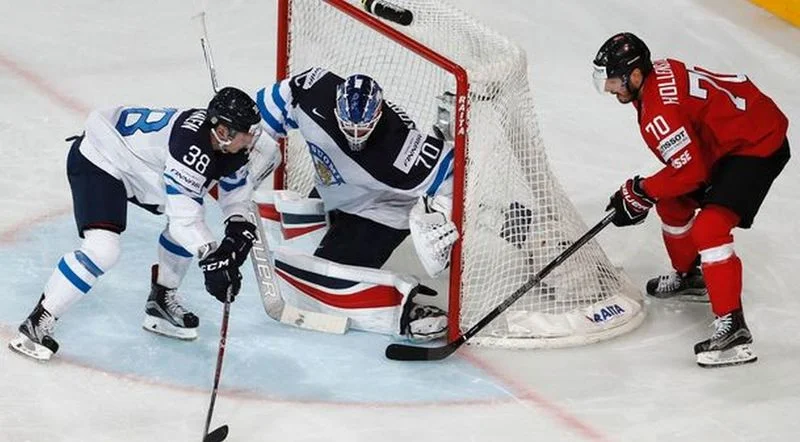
x,y
371,298
340,281
297,215
339,292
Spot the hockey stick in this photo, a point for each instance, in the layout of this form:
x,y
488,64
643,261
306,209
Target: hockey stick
x,y
220,433
403,352
274,304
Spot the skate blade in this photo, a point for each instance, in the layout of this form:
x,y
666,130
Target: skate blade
x,y
699,296
741,354
24,346
165,328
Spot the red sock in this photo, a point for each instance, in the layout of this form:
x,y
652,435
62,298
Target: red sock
x,y
676,217
724,282
722,269
680,248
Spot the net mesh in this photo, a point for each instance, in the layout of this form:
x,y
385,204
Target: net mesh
x,y
516,216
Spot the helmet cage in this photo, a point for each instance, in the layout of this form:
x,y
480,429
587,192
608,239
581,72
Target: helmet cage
x,y
359,103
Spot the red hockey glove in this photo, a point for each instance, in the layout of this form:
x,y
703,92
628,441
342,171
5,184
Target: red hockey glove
x,y
630,202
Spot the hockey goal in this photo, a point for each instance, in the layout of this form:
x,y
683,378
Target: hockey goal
x,y
512,214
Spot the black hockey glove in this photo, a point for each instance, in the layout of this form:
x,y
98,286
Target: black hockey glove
x,y
221,272
630,202
241,233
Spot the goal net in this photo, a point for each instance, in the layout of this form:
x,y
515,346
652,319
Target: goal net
x,y
513,216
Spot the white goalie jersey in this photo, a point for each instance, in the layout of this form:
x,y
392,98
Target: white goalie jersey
x,y
383,181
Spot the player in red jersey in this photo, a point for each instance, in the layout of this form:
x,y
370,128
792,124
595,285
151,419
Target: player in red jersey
x,y
722,143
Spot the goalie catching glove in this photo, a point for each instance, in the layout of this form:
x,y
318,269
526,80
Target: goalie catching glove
x,y
433,233
221,266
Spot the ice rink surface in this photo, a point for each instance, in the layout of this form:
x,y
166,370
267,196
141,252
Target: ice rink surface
x,y
113,382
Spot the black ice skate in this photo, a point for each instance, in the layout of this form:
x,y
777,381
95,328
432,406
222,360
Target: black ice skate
x,y
689,286
35,338
164,313
729,345
425,323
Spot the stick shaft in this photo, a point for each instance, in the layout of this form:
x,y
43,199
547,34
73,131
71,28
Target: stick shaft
x,y
412,353
223,337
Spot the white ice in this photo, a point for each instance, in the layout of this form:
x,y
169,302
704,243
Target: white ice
x,y
111,381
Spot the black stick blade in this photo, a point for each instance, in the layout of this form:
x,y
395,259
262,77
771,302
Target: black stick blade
x,y
217,435
403,352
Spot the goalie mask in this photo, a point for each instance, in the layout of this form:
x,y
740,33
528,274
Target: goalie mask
x,y
358,109
615,61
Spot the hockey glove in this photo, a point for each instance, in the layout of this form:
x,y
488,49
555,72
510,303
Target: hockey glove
x,y
221,272
630,202
241,234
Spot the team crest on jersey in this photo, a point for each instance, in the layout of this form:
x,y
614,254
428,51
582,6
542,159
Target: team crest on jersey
x,y
327,173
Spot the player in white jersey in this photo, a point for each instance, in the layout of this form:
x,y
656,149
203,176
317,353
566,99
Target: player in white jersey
x,y
164,160
378,179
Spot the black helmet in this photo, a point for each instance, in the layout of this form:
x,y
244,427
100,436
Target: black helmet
x,y
618,57
621,54
233,108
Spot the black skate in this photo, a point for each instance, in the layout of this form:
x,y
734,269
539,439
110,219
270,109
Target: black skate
x,y
426,323
729,345
420,323
689,286
164,313
35,338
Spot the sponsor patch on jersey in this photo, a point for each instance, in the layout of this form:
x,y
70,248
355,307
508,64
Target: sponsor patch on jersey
x,y
605,313
185,177
410,152
673,143
327,173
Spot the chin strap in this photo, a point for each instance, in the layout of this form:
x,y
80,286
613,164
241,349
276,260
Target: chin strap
x,y
626,83
223,144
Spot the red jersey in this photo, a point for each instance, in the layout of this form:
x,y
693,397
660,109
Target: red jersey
x,y
690,118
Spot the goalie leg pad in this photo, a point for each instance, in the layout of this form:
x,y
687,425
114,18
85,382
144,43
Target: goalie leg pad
x,y
291,220
374,300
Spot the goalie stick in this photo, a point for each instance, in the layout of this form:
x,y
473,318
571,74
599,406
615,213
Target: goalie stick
x,y
274,304
403,352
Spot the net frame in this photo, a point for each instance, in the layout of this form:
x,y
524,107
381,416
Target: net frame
x,y
461,80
